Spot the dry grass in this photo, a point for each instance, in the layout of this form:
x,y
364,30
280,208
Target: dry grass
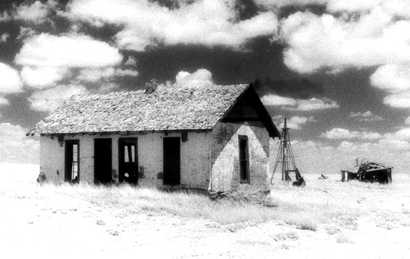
x,y
178,203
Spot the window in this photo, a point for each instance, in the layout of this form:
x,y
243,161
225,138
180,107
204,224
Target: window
x,y
243,159
72,161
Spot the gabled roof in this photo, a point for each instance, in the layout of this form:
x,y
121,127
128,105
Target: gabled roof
x,y
165,109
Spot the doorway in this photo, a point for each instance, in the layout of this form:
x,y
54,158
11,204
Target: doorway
x,y
72,161
102,161
172,160
128,160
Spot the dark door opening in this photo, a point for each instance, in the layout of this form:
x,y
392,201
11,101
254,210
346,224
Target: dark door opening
x,y
172,160
72,161
128,160
102,161
244,159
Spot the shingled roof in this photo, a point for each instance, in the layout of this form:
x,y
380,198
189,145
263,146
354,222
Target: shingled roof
x,y
165,109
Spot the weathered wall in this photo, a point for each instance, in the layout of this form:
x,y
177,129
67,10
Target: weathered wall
x,y
195,157
225,157
52,159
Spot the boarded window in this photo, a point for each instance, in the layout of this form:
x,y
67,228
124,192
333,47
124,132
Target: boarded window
x,y
243,159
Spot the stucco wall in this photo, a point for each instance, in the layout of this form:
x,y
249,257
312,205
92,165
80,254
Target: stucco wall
x,y
195,157
52,159
225,157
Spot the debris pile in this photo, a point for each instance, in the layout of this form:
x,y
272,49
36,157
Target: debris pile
x,y
369,172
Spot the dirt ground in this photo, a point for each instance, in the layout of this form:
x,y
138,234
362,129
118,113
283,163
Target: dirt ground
x,y
326,219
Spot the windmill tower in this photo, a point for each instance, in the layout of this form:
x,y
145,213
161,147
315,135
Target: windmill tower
x,y
285,159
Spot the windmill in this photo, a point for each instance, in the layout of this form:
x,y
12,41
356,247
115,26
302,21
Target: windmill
x,y
285,160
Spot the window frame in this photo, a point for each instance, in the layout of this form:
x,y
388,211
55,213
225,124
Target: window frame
x,y
244,177
69,143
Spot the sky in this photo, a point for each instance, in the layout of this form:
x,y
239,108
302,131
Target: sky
x,y
339,70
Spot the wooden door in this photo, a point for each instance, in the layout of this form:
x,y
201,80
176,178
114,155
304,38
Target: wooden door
x,y
128,160
172,160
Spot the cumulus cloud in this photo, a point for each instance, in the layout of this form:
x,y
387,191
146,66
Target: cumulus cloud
x,y
146,23
393,7
365,116
34,12
50,99
42,77
341,133
277,100
398,100
294,122
96,74
392,77
296,104
47,59
407,121
67,51
395,80
10,81
351,33
325,41
15,146
199,78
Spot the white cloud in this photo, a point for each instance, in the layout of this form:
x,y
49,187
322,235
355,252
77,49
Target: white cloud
x,y
294,122
277,100
4,37
324,41
67,51
341,133
199,78
393,7
294,104
47,59
49,99
365,116
42,77
15,146
3,101
395,80
315,104
283,3
392,77
407,121
401,134
34,12
96,74
9,80
202,22
399,100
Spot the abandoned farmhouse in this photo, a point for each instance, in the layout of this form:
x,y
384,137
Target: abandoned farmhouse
x,y
214,138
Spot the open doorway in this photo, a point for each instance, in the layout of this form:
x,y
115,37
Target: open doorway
x,y
102,161
72,161
172,160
